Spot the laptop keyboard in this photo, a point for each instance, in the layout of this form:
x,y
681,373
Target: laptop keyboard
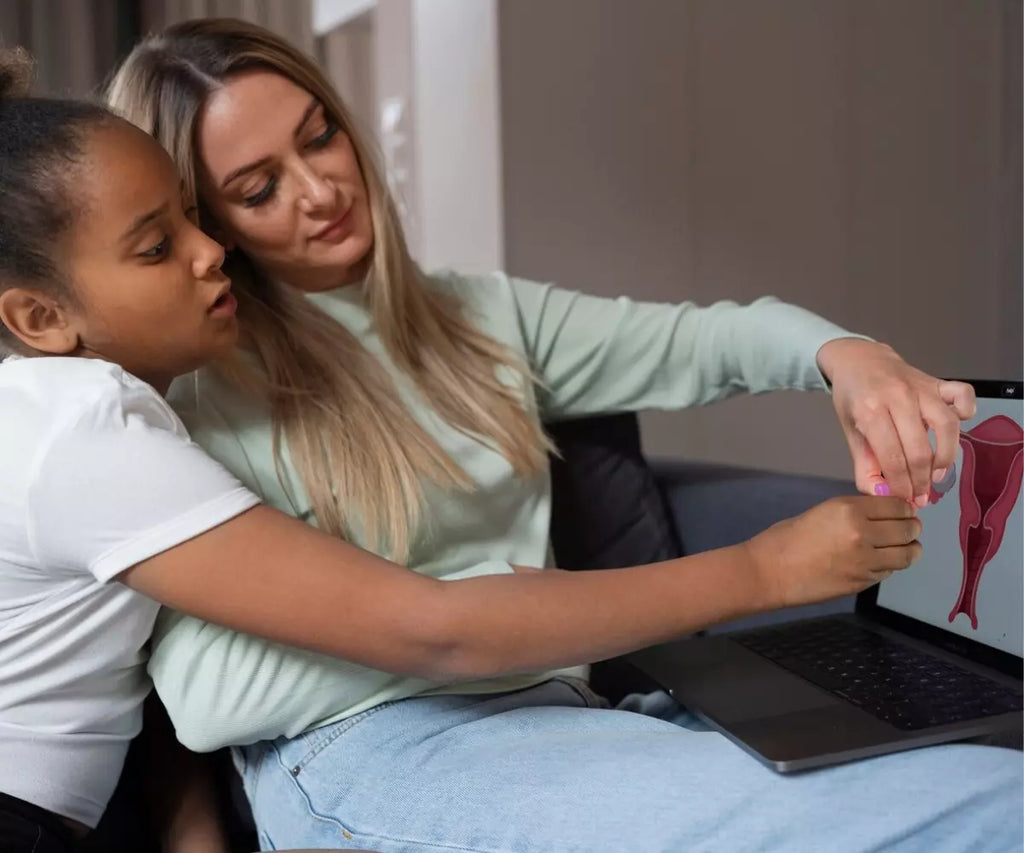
x,y
895,682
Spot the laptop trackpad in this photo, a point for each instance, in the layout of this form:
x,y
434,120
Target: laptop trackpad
x,y
731,683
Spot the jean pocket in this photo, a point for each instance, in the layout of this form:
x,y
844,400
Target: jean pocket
x,y
299,752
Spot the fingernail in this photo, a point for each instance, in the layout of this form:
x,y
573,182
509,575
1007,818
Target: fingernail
x,y
939,474
921,501
882,489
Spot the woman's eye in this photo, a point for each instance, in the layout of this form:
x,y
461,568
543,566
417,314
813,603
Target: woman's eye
x,y
159,250
325,137
260,197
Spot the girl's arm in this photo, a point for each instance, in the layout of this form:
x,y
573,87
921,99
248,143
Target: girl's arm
x,y
268,574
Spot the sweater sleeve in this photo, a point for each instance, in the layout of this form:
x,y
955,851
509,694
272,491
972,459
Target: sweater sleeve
x,y
594,355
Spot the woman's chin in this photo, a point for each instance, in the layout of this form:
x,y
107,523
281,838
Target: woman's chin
x,y
351,252
346,263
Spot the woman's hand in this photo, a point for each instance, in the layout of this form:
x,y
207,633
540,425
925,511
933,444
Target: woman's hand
x,y
886,408
837,548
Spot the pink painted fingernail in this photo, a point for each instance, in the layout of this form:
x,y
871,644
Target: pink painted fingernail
x,y
939,474
921,501
882,489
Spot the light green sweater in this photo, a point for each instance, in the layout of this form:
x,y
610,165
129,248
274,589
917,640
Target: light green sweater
x,y
592,356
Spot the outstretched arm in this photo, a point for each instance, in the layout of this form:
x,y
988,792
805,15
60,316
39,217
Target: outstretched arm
x,y
268,574
602,355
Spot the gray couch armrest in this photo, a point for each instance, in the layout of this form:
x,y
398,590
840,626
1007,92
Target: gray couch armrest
x,y
714,506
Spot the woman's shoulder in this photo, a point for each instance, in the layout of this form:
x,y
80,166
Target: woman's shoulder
x,y
491,299
474,287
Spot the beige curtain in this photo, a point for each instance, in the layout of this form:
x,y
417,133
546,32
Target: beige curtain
x,y
74,42
77,43
292,19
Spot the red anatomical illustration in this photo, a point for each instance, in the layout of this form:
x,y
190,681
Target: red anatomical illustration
x,y
989,485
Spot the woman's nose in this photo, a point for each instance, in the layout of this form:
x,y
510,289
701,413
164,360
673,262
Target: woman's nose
x,y
315,191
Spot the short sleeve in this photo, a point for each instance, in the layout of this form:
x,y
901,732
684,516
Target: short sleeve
x,y
122,484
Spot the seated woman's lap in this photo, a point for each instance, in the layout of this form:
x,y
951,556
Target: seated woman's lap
x,y
548,769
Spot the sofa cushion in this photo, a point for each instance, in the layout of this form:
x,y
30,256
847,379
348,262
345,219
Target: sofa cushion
x,y
607,509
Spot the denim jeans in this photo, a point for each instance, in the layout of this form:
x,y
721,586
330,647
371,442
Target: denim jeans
x,y
552,769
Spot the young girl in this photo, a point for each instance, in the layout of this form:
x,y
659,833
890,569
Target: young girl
x,y
108,290
401,412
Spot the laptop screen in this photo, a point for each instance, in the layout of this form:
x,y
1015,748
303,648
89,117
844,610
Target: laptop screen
x,y
970,580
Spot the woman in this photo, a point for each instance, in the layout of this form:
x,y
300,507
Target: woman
x,y
401,412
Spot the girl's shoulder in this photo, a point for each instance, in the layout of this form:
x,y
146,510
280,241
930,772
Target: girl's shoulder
x,y
59,392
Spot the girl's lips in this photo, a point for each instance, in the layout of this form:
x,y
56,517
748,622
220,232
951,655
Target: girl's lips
x,y
225,306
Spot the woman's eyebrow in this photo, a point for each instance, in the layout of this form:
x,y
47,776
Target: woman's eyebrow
x,y
314,104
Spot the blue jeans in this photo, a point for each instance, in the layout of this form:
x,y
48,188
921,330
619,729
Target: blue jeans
x,y
551,769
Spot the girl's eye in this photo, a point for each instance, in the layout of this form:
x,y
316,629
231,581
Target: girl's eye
x,y
325,137
159,250
260,197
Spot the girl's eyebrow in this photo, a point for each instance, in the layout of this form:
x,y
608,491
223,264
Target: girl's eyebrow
x,y
256,164
144,219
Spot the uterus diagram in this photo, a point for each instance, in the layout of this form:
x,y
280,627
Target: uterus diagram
x,y
993,459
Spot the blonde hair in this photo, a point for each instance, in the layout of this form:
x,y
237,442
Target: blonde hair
x,y
360,455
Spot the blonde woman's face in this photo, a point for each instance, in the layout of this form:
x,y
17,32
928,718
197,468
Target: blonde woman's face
x,y
282,181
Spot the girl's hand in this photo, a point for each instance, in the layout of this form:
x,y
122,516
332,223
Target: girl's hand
x,y
837,548
886,408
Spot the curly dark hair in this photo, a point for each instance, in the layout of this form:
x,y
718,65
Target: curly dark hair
x,y
41,142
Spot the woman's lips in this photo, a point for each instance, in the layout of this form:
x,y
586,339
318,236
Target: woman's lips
x,y
336,230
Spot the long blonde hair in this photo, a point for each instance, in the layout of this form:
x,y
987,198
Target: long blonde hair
x,y
360,455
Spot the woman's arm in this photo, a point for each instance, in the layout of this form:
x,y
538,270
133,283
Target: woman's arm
x,y
594,355
268,574
600,355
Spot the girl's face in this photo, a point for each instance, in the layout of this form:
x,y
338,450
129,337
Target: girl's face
x,y
282,181
151,296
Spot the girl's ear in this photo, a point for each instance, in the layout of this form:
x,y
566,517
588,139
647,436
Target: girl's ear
x,y
39,321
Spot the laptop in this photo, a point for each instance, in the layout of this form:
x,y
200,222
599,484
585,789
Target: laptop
x,y
930,655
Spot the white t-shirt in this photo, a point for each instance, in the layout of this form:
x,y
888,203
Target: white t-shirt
x,y
97,474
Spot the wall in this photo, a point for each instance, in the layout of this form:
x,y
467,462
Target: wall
x,y
458,144
347,53
436,75
858,157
